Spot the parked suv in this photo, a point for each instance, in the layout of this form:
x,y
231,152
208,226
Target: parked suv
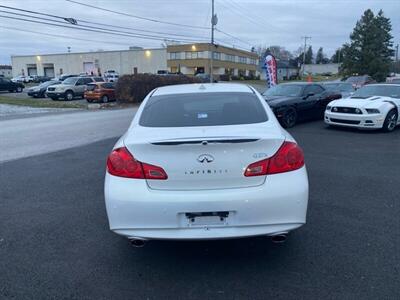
x,y
100,91
71,87
8,85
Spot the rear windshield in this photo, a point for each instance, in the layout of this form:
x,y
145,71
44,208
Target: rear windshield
x,y
98,79
342,87
91,87
205,109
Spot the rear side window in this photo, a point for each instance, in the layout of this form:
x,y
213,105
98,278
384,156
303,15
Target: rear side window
x,y
107,85
315,89
87,80
202,109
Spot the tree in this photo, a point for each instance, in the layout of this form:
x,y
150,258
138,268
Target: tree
x,y
370,49
320,56
309,55
279,52
337,57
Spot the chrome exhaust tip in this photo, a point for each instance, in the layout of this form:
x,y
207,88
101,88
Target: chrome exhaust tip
x,y
279,238
137,243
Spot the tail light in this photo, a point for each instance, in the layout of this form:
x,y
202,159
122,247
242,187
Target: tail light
x,y
289,157
121,163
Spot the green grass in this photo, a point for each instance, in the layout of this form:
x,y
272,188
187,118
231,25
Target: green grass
x,y
39,103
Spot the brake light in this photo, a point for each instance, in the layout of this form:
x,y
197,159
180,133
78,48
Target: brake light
x,y
289,157
121,163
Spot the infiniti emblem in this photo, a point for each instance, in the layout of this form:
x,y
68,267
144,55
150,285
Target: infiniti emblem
x,y
205,158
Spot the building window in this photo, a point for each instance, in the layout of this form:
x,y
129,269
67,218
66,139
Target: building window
x,y
253,61
193,55
217,55
175,55
242,60
229,57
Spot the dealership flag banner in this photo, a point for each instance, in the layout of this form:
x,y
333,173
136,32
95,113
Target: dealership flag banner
x,y
271,70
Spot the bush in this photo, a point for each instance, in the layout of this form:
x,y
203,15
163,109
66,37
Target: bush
x,y
134,88
224,77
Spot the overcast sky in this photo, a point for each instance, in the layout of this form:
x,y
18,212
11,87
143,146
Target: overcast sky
x,y
252,22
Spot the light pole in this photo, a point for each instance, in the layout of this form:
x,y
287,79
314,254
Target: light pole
x,y
214,21
304,52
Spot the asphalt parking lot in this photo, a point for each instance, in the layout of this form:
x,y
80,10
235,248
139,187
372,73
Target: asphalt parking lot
x,y
55,242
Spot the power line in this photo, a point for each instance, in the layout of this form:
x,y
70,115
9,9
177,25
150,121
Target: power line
x,y
62,36
232,36
96,30
91,27
136,16
84,21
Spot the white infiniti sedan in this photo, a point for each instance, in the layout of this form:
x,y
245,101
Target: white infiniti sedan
x,y
374,106
205,161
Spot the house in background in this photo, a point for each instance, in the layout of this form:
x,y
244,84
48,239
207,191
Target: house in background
x,y
5,71
287,70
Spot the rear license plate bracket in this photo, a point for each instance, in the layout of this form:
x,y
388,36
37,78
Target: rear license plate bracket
x,y
207,218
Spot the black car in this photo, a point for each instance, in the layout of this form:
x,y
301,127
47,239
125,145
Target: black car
x,y
40,79
40,90
8,85
293,102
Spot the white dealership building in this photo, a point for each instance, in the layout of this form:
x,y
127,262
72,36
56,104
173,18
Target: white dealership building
x,y
136,60
188,59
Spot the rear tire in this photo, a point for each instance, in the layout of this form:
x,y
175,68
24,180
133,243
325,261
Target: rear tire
x,y
390,121
69,96
104,99
289,118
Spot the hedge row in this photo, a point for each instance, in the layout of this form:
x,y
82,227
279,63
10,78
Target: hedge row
x,y
134,88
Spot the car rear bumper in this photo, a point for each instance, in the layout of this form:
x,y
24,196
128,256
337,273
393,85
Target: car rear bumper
x,y
135,211
93,96
367,121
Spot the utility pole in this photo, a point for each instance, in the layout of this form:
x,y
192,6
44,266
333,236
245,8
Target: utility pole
x,y
304,53
214,21
397,52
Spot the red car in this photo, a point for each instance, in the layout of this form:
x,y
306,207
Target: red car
x,y
100,92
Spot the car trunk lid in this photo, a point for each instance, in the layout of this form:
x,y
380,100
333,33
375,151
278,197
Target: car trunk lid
x,y
200,158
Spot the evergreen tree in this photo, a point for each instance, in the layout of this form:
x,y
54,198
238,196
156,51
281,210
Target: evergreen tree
x,y
337,57
320,56
370,49
309,55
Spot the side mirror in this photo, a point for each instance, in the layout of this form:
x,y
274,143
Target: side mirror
x,y
308,95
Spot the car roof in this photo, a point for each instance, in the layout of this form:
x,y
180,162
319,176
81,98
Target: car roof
x,y
335,82
299,83
383,84
202,88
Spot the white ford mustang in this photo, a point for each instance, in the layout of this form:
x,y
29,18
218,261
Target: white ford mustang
x,y
374,106
205,161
